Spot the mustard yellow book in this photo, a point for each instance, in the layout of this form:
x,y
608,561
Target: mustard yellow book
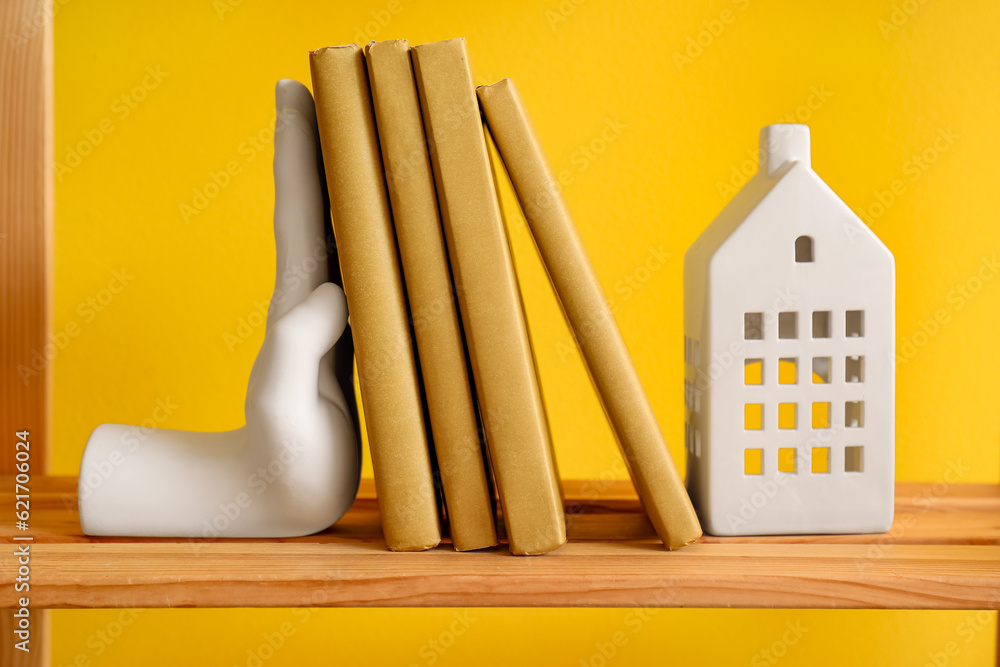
x,y
517,434
440,348
566,260
366,245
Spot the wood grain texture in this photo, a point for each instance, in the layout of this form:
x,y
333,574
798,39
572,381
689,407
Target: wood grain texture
x,y
40,655
943,553
26,207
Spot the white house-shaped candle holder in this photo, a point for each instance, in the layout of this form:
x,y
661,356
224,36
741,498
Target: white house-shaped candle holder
x,y
789,323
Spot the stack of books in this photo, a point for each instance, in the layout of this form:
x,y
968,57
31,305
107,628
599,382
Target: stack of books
x,y
443,357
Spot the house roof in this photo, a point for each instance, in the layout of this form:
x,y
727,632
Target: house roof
x,y
784,179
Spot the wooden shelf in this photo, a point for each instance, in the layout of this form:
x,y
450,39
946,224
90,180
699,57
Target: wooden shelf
x,y
943,553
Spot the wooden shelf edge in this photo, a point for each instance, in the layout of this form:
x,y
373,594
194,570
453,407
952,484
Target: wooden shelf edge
x,y
581,574
946,557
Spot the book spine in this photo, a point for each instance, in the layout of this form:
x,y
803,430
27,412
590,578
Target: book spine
x,y
607,358
387,374
517,434
440,347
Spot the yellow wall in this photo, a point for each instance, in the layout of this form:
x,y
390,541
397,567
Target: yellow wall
x,y
650,111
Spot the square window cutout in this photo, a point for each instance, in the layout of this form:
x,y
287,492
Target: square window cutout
x,y
821,324
821,415
786,415
788,370
753,371
854,414
788,325
753,326
820,459
854,369
821,370
854,459
855,322
786,459
753,461
753,416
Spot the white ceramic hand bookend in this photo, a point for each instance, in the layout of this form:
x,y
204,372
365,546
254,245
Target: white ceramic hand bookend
x,y
293,469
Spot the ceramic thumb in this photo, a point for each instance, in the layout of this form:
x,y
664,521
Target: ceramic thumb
x,y
289,363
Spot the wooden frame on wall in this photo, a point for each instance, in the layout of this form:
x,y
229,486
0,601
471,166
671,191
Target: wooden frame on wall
x,y
26,232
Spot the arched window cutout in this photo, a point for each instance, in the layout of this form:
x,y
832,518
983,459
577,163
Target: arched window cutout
x,y
804,249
